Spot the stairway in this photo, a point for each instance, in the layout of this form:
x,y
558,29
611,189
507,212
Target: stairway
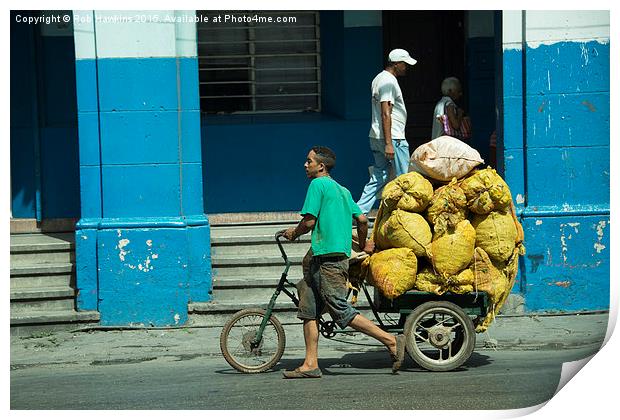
x,y
43,284
247,266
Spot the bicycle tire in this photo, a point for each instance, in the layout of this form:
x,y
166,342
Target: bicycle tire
x,y
244,356
421,342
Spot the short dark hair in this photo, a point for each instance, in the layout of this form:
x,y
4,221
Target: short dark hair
x,y
326,156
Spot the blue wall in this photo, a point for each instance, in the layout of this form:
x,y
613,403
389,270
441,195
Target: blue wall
x,y
43,116
259,166
243,152
557,161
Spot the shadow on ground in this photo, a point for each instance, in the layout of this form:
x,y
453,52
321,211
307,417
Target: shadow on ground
x,y
376,362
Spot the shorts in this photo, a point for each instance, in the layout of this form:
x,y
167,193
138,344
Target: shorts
x,y
324,288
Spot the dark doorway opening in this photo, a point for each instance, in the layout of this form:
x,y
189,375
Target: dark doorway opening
x,y
445,43
437,40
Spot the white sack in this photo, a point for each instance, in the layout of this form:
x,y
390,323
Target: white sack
x,y
444,158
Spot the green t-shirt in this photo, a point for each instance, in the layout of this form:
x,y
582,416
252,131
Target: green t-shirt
x,y
334,208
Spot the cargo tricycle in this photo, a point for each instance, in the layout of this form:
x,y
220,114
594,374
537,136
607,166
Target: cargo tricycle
x,y
439,330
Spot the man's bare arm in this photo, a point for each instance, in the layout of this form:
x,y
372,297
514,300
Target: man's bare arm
x,y
305,225
362,230
386,120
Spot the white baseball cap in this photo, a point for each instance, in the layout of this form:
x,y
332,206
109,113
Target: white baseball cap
x,y
401,55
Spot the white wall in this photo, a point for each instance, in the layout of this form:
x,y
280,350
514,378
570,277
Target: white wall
x,y
134,34
549,27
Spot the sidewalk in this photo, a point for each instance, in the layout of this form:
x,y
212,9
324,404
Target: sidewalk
x,y
101,347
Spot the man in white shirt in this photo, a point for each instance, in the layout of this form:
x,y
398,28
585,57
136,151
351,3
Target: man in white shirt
x,y
387,129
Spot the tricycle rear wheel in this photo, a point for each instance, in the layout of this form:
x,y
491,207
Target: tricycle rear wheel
x,y
239,346
439,336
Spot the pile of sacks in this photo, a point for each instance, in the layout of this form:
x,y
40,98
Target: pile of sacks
x,y
461,237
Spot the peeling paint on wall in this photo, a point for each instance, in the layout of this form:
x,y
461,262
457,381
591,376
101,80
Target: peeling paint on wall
x,y
121,245
564,238
584,54
598,246
539,222
520,199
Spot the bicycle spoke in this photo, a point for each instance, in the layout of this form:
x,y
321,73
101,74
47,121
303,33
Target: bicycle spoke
x,y
422,338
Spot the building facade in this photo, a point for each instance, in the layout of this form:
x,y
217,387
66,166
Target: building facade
x,y
142,126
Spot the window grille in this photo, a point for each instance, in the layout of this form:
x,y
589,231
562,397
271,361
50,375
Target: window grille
x,y
251,65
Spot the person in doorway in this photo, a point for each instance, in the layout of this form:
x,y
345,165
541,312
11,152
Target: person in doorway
x,y
328,212
493,150
387,129
448,118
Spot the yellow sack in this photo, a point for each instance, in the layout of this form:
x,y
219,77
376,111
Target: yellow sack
x,y
487,277
496,233
493,281
462,282
410,192
486,191
448,207
520,234
392,271
453,251
428,281
404,230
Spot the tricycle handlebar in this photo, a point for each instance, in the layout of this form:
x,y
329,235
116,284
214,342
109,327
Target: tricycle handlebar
x,y
280,234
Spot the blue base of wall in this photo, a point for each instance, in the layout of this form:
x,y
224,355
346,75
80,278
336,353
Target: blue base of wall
x,y
142,276
556,160
566,267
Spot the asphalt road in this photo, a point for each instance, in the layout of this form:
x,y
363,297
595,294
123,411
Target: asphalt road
x,y
354,381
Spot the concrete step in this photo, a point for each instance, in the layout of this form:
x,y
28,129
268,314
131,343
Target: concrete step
x,y
245,282
259,248
217,314
255,266
42,300
39,281
53,226
42,269
254,240
61,239
257,229
254,272
32,323
251,228
39,248
30,293
258,291
41,258
255,260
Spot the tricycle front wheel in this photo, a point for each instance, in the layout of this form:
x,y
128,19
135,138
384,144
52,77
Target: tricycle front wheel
x,y
439,336
240,348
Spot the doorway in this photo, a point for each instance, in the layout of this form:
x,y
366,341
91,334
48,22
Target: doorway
x,y
445,43
45,179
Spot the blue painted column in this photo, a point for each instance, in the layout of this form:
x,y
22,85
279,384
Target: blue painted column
x,y
142,244
554,150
